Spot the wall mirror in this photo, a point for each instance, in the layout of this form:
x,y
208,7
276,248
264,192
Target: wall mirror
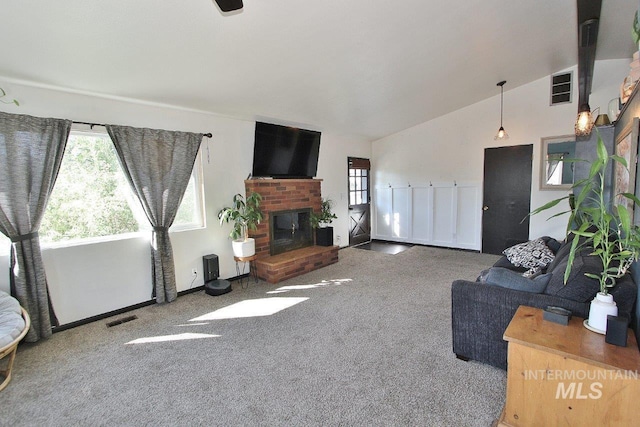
x,y
555,172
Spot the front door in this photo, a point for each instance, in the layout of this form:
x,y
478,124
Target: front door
x,y
359,201
507,197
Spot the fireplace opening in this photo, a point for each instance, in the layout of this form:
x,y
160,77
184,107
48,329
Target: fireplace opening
x,y
290,230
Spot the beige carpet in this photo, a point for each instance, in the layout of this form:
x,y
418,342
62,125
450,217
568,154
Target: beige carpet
x,y
366,341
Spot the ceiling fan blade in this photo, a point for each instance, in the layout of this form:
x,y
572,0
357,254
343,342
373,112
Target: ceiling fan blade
x,y
229,5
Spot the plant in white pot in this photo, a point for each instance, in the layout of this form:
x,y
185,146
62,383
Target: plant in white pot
x,y
245,215
605,228
320,222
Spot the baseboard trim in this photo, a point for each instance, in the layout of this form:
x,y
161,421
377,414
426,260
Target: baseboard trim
x,y
123,310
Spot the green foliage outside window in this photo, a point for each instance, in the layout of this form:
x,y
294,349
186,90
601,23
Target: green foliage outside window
x,y
89,198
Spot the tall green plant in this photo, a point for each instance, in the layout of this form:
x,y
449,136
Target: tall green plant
x,y
245,215
604,227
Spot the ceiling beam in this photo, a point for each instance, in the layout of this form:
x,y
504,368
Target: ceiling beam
x,y
588,23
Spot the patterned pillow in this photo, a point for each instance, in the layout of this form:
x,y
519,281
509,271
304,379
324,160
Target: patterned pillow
x,y
534,255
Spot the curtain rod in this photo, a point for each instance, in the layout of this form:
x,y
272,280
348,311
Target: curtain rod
x,y
208,135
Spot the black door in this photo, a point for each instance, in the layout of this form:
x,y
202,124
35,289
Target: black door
x,y
359,201
507,197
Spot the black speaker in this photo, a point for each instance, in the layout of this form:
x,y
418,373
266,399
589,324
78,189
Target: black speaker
x,y
210,267
617,330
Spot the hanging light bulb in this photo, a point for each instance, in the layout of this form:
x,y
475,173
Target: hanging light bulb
x,y
584,122
502,134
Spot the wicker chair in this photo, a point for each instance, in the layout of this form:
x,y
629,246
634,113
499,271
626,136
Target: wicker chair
x,y
9,349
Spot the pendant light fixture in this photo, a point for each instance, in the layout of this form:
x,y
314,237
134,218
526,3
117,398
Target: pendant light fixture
x,y
584,122
502,134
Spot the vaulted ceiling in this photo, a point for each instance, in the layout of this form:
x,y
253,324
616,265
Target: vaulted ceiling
x,y
361,67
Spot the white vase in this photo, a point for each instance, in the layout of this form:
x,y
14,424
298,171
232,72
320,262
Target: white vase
x,y
601,307
244,248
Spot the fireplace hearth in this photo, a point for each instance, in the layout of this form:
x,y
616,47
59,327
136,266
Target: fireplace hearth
x,y
287,195
290,230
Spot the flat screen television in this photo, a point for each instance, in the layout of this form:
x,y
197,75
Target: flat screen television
x,y
285,152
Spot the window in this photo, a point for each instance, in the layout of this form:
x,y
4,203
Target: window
x,y
92,198
191,210
358,186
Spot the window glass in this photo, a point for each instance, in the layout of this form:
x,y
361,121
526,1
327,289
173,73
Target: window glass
x,y
5,244
92,198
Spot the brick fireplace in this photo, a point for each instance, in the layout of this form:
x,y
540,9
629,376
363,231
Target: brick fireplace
x,y
280,196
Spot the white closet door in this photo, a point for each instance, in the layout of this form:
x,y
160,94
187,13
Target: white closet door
x,y
383,205
421,214
444,215
401,213
468,217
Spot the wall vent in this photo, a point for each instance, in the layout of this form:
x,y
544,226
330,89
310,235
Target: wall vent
x,y
561,88
121,321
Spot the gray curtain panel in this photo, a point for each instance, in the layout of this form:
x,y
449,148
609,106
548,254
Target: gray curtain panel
x,y
158,165
31,150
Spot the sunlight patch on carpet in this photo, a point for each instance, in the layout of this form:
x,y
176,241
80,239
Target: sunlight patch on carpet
x,y
251,308
176,337
192,324
333,282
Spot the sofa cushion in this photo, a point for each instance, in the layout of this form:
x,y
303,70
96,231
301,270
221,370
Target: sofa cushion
x,y
552,244
11,326
11,321
8,303
504,262
533,255
510,279
579,287
561,255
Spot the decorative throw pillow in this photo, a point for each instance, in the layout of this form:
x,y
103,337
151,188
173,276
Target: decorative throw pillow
x,y
506,278
534,255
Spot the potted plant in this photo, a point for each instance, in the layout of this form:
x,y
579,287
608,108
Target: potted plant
x,y
604,227
245,215
320,222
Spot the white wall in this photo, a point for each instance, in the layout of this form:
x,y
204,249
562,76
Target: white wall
x,y
91,279
451,147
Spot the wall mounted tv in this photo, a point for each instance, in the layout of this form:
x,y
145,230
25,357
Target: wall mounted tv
x,y
285,152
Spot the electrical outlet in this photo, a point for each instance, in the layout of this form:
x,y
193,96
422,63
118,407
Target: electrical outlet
x,y
194,272
338,238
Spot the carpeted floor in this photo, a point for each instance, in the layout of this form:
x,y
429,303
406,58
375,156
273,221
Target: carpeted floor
x,y
366,341
386,247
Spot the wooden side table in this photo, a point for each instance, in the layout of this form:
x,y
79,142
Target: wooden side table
x,y
568,375
246,260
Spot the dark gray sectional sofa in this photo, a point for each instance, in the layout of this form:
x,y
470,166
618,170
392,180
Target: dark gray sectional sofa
x,y
482,311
